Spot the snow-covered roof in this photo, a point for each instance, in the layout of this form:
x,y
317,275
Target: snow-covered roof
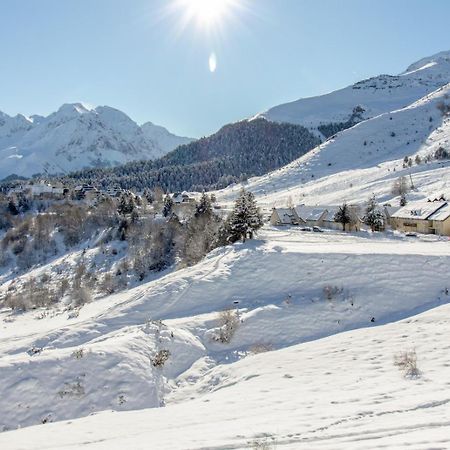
x,y
285,215
330,213
422,210
390,210
310,212
441,214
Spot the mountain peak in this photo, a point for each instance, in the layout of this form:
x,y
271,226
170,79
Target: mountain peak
x,y
438,58
74,109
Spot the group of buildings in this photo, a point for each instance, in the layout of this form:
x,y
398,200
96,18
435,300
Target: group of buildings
x,y
57,191
427,217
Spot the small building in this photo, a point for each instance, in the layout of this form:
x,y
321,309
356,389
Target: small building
x,y
389,211
284,216
310,216
86,191
41,190
313,216
425,217
182,198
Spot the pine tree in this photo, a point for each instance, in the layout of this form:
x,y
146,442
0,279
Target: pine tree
x,y
126,204
403,200
13,208
204,207
245,218
374,218
343,216
168,206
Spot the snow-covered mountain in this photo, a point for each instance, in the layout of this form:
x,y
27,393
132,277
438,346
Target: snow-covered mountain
x,y
340,109
76,137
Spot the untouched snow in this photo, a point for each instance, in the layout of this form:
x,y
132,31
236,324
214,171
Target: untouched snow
x,y
340,392
279,283
76,137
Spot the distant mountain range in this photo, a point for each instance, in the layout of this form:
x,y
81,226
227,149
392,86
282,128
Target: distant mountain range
x,y
77,137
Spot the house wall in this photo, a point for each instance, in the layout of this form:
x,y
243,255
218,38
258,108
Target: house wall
x,y
442,227
274,219
414,225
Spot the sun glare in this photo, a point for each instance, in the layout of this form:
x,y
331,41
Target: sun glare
x,y
206,13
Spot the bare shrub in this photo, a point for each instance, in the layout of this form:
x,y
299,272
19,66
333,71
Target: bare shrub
x,y
330,292
400,187
406,361
108,284
266,443
160,358
78,353
228,323
80,296
443,108
260,348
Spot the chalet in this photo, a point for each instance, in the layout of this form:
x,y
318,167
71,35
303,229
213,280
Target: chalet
x,y
284,216
182,198
41,190
389,211
86,191
311,216
423,217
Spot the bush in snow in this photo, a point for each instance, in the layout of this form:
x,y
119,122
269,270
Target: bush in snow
x,y
400,186
228,324
263,443
443,108
330,292
260,348
160,358
80,295
406,361
441,153
79,353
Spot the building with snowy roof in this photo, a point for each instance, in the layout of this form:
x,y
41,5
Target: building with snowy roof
x,y
423,217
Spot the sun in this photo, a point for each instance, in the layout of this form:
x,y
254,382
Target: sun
x,y
206,13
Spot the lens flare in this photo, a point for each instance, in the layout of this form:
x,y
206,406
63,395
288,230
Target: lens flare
x,y
212,62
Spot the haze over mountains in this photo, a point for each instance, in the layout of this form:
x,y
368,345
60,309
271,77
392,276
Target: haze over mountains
x,y
76,137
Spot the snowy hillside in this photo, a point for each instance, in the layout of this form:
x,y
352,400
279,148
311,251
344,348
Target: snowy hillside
x,y
291,290
367,98
76,137
367,159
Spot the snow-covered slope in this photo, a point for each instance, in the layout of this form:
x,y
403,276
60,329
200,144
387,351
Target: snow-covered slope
x,y
326,393
166,140
375,96
77,137
366,159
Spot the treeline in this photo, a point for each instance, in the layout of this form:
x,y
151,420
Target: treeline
x,y
236,152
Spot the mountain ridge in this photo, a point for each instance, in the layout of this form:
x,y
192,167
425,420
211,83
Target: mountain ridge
x,y
371,97
77,136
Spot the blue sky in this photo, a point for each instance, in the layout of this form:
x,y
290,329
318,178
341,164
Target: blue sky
x,y
128,54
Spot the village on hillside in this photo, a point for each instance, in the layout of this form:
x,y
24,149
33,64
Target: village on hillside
x,y
424,217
